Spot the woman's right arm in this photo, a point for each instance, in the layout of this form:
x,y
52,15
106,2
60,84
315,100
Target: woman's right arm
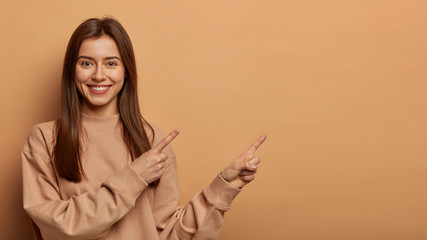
x,y
87,216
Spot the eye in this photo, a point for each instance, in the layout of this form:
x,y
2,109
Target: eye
x,y
111,64
85,63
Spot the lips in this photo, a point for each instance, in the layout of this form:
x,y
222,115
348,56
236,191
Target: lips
x,y
99,89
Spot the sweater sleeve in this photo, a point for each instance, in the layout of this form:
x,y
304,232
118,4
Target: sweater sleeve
x,y
201,218
86,216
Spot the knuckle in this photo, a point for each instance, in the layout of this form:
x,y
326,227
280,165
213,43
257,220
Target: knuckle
x,y
158,167
158,159
164,155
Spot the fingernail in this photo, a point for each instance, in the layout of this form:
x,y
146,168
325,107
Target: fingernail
x,y
254,167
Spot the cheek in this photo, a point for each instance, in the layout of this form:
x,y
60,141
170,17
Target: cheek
x,y
118,78
79,78
82,75
120,84
78,86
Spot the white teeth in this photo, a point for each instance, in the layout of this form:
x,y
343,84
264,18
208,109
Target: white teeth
x,y
99,88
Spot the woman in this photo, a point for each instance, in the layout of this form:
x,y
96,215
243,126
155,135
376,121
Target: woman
x,y
101,171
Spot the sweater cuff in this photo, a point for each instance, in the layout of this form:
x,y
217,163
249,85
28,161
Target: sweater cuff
x,y
220,193
128,183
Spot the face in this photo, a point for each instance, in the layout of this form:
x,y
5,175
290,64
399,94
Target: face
x,y
100,75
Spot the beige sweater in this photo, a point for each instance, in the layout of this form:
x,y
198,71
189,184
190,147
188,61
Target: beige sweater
x,y
113,201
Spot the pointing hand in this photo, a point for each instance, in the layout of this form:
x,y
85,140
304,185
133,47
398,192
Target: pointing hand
x,y
242,170
151,164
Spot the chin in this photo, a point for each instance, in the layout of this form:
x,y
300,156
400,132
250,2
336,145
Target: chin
x,y
98,103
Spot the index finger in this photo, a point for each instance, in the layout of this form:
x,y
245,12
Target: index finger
x,y
255,146
165,141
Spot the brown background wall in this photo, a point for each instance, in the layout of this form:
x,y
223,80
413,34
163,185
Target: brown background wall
x,y
338,86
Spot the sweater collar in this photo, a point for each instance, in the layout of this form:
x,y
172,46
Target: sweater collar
x,y
96,123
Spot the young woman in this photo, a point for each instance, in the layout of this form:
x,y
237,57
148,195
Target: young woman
x,y
101,171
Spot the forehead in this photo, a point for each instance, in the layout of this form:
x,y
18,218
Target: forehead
x,y
103,46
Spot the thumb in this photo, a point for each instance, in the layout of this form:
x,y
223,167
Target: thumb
x,y
255,160
251,165
234,169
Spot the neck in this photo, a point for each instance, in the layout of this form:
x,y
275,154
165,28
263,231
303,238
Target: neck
x,y
100,111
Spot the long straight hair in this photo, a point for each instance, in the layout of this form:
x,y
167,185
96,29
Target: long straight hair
x,y
68,128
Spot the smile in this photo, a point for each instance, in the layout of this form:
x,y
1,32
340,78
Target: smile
x,y
98,89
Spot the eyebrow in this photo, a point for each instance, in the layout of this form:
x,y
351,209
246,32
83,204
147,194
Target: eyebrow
x,y
106,58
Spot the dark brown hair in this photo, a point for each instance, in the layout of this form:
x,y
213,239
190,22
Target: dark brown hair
x,y
68,129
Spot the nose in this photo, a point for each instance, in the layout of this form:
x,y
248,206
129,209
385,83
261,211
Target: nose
x,y
99,74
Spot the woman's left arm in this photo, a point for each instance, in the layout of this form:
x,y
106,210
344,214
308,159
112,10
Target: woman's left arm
x,y
203,216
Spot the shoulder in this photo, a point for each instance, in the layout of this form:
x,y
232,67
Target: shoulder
x,y
40,138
